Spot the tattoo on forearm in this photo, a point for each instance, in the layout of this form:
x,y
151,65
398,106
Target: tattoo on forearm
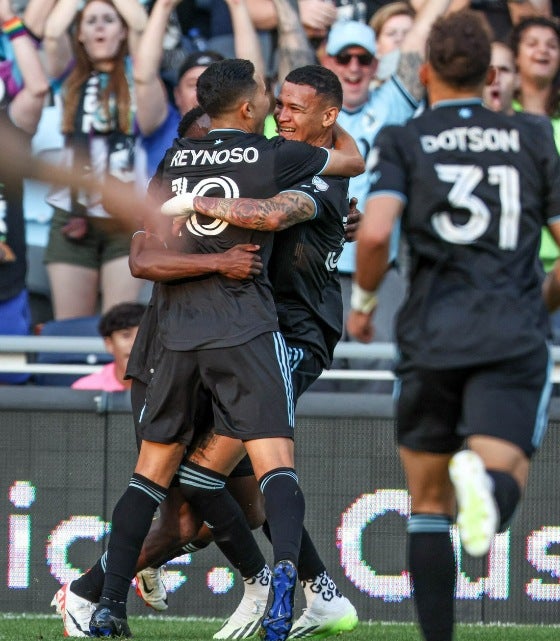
x,y
407,71
280,212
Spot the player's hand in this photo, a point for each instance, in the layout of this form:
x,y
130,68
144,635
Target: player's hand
x,y
240,262
352,221
178,224
360,327
181,205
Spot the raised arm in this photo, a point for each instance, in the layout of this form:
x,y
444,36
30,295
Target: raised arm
x,y
266,214
293,45
414,45
246,40
36,14
26,107
57,44
136,18
151,97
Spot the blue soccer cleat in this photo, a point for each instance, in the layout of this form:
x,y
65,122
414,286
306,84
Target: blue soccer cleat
x,y
278,622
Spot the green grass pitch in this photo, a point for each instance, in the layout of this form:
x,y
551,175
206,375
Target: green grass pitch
x,y
49,628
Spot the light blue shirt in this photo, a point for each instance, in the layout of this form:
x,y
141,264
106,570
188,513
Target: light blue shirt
x,y
390,104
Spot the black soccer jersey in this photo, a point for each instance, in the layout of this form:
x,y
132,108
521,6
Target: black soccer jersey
x,y
215,311
478,188
303,270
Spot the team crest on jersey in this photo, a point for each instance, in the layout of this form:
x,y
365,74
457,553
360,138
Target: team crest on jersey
x,y
319,184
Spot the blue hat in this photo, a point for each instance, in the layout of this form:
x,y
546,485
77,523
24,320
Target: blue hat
x,y
350,33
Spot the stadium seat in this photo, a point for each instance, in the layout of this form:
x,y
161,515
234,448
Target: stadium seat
x,y
82,326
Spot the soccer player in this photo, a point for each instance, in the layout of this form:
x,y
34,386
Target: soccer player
x,y
472,189
308,301
221,335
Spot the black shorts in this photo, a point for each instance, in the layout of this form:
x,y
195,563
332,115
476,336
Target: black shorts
x,y
250,386
306,369
438,409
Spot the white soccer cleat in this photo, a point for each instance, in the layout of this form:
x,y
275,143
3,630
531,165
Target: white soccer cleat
x,y
244,622
151,589
477,517
325,618
75,612
181,205
246,619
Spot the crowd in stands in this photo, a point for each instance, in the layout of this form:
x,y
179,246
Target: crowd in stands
x,y
120,74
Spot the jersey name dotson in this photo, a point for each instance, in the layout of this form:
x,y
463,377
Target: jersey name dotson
x,y
185,157
472,139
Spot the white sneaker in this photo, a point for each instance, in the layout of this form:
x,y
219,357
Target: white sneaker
x,y
75,612
150,588
477,517
325,618
246,619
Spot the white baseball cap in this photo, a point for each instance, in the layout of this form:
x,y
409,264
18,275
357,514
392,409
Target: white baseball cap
x,y
350,33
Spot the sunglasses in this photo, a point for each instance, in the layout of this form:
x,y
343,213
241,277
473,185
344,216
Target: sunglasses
x,y
364,59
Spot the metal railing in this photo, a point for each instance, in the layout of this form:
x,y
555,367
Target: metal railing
x,y
17,354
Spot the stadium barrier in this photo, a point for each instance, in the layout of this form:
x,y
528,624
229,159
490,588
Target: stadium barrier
x,y
68,455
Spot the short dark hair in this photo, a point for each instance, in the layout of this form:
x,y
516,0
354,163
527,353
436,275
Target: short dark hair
x,y
223,83
323,80
459,49
198,59
121,316
188,120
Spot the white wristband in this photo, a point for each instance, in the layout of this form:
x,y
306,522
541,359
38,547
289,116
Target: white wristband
x,y
361,300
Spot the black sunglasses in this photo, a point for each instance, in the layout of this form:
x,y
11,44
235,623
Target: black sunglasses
x,y
364,59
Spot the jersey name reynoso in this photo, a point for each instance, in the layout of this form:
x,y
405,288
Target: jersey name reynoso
x,y
185,157
228,189
465,179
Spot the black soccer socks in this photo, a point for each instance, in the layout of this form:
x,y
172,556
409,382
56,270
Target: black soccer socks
x,y
205,490
285,509
132,518
507,494
432,567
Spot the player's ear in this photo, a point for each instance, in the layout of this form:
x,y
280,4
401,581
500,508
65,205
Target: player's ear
x,y
247,110
490,75
329,117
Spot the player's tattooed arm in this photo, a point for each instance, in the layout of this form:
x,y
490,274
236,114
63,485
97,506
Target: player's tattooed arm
x,y
407,71
271,214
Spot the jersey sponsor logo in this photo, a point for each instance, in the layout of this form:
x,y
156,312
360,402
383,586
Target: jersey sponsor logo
x,y
332,259
319,184
185,157
472,139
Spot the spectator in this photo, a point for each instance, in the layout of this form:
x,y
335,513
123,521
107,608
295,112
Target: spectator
x,y
503,15
535,43
390,23
498,95
350,53
157,117
23,87
118,327
86,254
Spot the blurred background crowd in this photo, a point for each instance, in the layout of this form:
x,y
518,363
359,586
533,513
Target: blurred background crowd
x,y
100,86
